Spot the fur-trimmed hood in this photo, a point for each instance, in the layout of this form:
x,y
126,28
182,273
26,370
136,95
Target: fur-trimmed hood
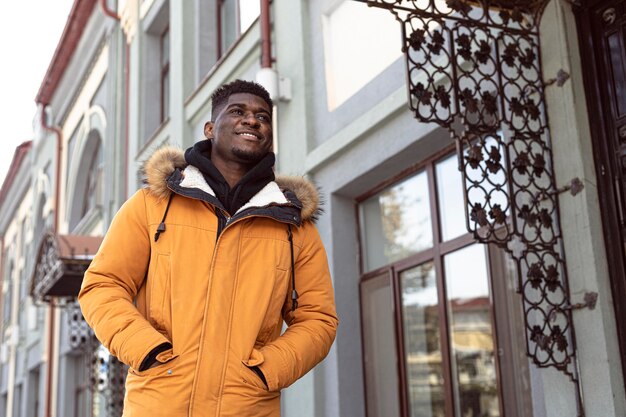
x,y
158,168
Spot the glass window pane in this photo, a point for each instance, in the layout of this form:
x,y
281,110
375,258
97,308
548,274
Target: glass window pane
x,y
165,48
515,367
379,347
420,317
450,195
354,53
472,338
249,10
90,198
228,23
165,96
396,222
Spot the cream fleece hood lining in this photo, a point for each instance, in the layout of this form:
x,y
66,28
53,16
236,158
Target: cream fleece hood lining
x,y
167,159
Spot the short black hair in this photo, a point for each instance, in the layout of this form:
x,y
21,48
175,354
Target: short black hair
x,y
220,95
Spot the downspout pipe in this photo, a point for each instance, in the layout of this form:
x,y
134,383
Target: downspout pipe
x,y
267,76
57,192
266,35
107,11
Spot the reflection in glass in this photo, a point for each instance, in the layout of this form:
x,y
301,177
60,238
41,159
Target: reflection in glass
x,y
450,194
396,222
472,338
228,19
94,179
236,17
249,10
379,347
422,345
165,75
354,54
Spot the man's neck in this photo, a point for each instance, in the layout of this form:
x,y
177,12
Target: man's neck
x,y
232,172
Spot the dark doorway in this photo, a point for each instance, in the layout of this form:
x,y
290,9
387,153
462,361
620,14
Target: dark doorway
x,y
602,34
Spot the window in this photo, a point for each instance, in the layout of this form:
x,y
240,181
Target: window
x,y
7,295
86,195
356,48
154,78
85,402
94,178
17,400
24,248
32,392
429,330
235,17
165,75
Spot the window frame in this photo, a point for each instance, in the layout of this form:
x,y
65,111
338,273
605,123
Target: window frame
x,y
222,49
218,16
91,196
434,254
164,66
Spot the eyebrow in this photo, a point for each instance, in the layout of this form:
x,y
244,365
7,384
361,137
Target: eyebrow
x,y
242,105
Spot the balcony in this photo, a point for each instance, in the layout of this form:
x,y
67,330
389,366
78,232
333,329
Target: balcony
x,y
60,264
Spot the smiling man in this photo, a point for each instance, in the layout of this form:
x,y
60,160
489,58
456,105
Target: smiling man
x,y
200,269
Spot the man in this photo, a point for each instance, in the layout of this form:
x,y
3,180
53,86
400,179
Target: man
x,y
198,271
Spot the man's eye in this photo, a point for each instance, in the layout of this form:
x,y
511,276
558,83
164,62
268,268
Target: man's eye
x,y
237,111
263,118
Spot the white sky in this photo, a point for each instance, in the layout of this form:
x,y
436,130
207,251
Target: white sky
x,y
29,33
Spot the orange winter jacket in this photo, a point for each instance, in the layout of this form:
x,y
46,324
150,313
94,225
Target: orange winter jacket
x,y
218,291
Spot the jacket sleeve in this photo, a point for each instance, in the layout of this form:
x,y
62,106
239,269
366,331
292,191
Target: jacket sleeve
x,y
112,281
312,326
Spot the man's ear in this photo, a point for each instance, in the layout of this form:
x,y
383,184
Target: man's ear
x,y
208,130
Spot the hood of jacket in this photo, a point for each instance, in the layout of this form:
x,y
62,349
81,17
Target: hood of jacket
x,y
158,168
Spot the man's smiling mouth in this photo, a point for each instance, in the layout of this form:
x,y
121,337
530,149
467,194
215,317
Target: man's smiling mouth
x,y
249,135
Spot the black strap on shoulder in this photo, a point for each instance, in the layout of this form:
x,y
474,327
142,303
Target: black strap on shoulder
x,y
294,293
161,227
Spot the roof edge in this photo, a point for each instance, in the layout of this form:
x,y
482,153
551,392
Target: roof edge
x,y
74,28
18,158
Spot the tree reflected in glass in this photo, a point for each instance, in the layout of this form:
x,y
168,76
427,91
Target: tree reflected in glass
x,y
422,345
396,223
469,309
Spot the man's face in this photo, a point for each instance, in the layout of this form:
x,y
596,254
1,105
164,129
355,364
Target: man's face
x,y
242,130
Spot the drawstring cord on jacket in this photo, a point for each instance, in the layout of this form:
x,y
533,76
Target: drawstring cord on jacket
x,y
161,227
294,293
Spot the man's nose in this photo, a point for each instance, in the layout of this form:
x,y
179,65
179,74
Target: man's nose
x,y
251,120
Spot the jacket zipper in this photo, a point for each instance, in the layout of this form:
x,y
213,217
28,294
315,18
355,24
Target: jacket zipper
x,y
222,221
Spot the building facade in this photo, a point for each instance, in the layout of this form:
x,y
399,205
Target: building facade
x,y
470,156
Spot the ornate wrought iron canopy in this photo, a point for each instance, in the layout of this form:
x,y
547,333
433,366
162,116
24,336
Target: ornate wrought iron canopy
x,y
474,67
61,262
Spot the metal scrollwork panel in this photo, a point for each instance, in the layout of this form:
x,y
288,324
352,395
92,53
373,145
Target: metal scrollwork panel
x,y
510,14
474,67
107,375
108,378
81,336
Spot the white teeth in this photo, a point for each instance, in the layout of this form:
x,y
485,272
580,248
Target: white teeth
x,y
248,135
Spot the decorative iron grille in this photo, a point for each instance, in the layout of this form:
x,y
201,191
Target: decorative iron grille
x,y
474,68
107,375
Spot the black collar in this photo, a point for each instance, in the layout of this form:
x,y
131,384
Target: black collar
x,y
199,155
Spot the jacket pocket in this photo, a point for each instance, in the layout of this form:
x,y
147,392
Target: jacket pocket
x,y
164,368
249,377
159,291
